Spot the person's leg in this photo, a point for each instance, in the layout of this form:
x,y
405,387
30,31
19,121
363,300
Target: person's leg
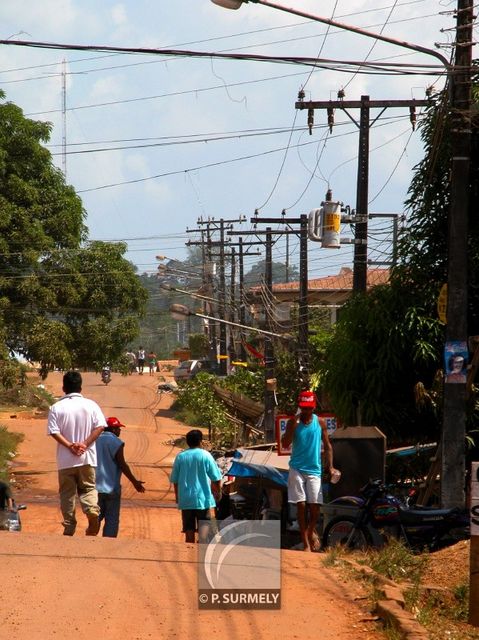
x,y
102,505
188,519
297,495
68,489
204,526
313,537
112,515
88,496
314,497
301,511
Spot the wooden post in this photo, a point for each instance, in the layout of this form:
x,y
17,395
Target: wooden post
x,y
474,559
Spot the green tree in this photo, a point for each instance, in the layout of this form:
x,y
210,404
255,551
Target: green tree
x,y
255,276
62,301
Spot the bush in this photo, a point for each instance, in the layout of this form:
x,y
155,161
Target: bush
x,y
198,406
8,445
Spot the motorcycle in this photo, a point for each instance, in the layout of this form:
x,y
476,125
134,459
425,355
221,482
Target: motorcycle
x,y
380,516
10,520
106,375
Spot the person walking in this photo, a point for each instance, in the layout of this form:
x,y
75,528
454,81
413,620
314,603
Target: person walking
x,y
307,438
196,480
131,359
75,422
140,358
152,362
111,464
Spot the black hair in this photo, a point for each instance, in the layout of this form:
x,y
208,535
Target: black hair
x,y
72,382
194,438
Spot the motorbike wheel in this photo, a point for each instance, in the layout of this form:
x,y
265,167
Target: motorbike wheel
x,y
338,531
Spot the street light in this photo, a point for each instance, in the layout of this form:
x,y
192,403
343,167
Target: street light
x,y
180,312
236,4
193,294
459,76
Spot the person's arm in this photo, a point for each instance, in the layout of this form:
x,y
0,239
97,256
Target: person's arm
x,y
94,435
78,448
125,469
287,438
327,450
175,487
216,490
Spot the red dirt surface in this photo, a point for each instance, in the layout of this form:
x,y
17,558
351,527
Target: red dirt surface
x,y
143,584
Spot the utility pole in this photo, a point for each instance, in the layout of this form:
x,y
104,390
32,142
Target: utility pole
x,y
232,346
242,314
269,401
303,331
222,293
219,225
360,262
454,421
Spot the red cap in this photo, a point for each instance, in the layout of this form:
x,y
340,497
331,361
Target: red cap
x,y
114,422
307,399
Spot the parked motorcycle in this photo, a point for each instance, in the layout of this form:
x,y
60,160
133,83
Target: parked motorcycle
x,y
106,375
380,516
10,520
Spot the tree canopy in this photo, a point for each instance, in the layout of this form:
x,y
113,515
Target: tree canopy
x,y
63,301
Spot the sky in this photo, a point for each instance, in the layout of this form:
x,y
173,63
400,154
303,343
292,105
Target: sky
x,y
154,143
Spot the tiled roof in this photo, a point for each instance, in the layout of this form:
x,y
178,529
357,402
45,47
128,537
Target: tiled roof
x,y
343,281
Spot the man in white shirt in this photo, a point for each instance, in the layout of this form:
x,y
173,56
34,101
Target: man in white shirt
x,y
75,423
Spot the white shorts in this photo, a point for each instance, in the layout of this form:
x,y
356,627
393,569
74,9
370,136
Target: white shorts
x,y
303,487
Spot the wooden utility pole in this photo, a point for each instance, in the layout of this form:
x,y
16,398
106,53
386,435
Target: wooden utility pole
x,y
303,315
454,421
360,261
269,401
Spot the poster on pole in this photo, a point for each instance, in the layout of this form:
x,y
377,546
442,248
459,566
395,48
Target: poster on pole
x,y
475,499
455,361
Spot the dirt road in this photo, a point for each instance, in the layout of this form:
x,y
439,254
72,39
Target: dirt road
x,y
143,584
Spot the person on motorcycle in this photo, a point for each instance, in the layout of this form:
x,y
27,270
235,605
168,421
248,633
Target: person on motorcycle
x,y
306,436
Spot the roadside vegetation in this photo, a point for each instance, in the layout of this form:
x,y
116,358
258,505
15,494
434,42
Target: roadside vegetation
x,y
9,442
17,393
65,301
435,589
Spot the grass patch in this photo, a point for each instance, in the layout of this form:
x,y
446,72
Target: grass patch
x,y
397,562
27,395
9,442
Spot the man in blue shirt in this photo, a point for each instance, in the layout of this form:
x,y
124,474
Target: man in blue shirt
x,y
307,438
196,479
111,464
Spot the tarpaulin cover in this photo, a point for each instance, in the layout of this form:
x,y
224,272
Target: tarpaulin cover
x,y
248,470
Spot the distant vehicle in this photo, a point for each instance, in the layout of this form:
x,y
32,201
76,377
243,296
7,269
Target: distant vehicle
x,y
106,375
188,369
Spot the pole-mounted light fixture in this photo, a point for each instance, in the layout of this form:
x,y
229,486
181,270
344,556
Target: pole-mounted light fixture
x,y
236,4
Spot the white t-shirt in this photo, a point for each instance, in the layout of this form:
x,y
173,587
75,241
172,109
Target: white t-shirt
x,y
75,417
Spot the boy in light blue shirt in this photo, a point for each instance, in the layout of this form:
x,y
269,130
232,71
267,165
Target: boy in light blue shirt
x,y
196,479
